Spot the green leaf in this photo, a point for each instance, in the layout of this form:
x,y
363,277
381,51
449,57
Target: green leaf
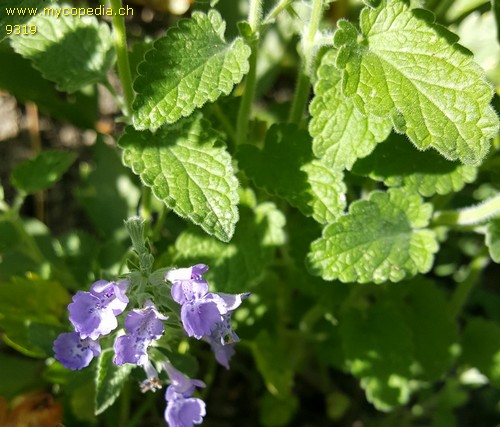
x,y
493,239
480,348
277,411
18,375
28,307
107,187
43,171
188,67
382,238
286,168
273,362
425,310
379,350
189,169
109,380
396,162
240,265
72,51
22,11
341,134
21,80
409,69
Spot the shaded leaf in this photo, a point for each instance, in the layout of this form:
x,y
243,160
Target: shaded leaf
x,y
397,163
72,51
285,167
43,171
237,266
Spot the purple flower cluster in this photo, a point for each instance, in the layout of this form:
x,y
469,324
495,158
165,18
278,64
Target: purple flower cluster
x,y
205,315
93,314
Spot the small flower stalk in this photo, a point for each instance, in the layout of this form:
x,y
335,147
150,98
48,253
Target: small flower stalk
x,y
113,307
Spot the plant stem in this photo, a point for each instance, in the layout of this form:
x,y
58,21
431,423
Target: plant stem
x,y
469,216
301,95
125,404
155,233
463,290
276,10
36,146
145,210
120,39
254,17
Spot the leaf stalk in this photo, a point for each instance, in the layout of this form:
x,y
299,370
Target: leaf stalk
x,y
469,216
123,63
254,18
303,88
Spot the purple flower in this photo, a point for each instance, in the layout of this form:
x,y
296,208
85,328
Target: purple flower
x,y
222,353
182,410
180,385
185,412
143,326
201,310
222,340
187,283
73,351
200,315
94,313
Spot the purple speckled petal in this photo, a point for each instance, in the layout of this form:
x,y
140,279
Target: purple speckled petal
x,y
74,352
130,350
88,318
187,283
199,317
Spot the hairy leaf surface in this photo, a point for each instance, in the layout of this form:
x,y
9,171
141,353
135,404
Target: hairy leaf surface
x,y
190,66
189,169
380,239
341,134
406,67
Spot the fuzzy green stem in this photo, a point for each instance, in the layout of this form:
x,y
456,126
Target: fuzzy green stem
x,y
276,10
469,216
301,95
254,17
255,14
463,290
120,40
